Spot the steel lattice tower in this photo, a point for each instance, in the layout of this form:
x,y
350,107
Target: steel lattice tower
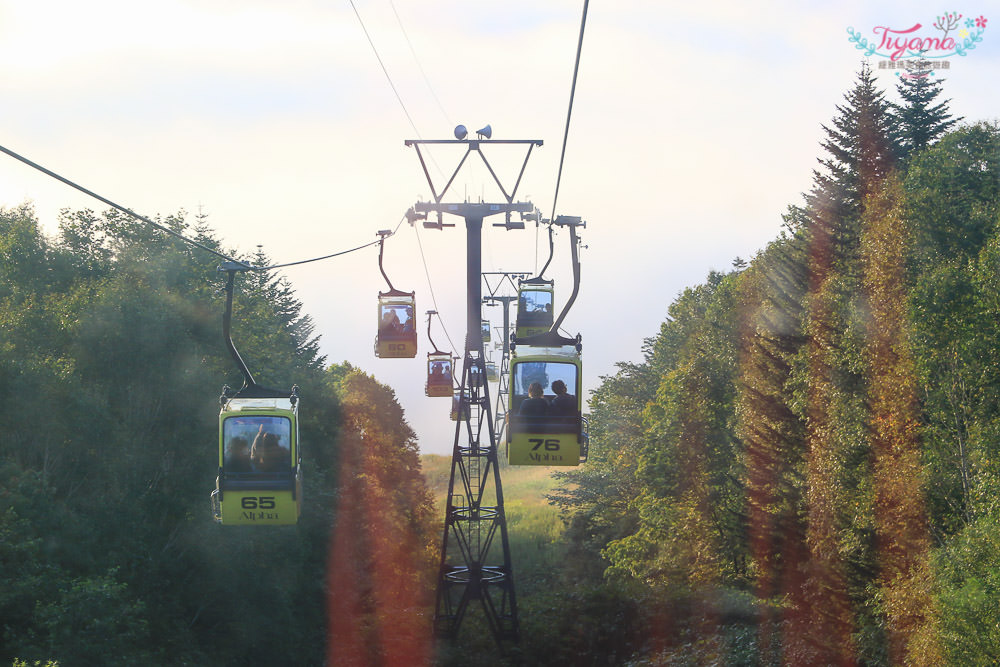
x,y
475,551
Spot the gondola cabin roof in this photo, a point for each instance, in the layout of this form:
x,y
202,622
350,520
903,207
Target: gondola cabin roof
x,y
567,352
237,404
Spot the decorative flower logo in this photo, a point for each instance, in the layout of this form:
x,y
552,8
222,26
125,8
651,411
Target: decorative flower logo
x,y
969,23
947,23
963,33
981,22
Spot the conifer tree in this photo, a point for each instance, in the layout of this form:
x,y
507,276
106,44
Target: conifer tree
x,y
860,153
861,149
920,121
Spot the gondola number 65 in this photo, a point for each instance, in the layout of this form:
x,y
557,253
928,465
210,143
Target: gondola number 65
x,y
264,503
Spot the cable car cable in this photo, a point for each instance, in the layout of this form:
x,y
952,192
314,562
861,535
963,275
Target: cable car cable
x,y
413,51
243,266
112,204
389,79
336,254
430,288
306,261
569,112
384,70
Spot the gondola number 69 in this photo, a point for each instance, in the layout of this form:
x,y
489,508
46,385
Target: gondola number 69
x,y
551,444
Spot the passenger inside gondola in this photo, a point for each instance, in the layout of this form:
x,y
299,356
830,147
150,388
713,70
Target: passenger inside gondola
x,y
238,455
534,308
441,372
390,323
396,320
563,404
535,405
267,454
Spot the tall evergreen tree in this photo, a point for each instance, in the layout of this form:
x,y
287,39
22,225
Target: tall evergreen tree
x,y
861,149
919,121
860,153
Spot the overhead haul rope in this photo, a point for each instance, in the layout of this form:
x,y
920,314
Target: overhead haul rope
x,y
110,203
569,112
384,70
430,288
163,228
389,78
413,51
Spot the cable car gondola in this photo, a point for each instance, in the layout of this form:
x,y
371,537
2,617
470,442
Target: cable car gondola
x,y
439,375
260,466
534,300
534,306
492,374
545,425
545,419
475,377
397,330
456,406
486,331
440,378
260,472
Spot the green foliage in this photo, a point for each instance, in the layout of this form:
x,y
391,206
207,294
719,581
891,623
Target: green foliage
x,y
920,121
110,366
969,569
777,441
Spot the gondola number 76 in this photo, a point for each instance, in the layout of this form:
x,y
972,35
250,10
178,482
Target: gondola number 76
x,y
551,444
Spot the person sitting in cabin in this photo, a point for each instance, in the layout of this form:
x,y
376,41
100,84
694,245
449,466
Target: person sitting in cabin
x,y
563,404
267,455
535,405
390,321
238,456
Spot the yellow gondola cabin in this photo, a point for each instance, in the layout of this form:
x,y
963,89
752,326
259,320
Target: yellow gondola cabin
x,y
534,307
260,471
545,426
397,331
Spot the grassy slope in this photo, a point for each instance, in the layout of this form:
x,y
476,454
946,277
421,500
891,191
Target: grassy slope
x,y
533,525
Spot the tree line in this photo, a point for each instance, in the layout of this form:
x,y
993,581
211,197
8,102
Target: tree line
x,y
805,467
111,361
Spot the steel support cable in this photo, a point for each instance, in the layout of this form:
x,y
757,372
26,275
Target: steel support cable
x,y
569,112
384,70
314,259
112,204
389,79
419,66
430,288
336,254
241,265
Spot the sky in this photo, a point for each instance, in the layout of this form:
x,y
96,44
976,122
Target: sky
x,y
694,126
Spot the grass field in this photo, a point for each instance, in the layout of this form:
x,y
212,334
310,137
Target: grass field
x,y
533,525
